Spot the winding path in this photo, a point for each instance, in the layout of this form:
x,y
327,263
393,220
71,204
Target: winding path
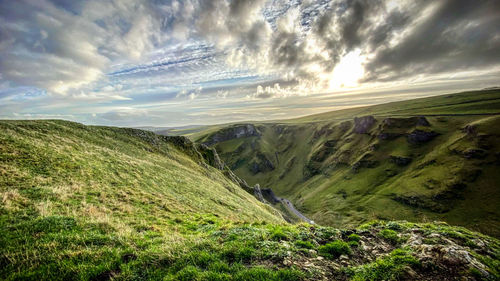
x,y
292,209
288,205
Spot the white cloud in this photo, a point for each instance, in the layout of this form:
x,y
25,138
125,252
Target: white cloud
x,y
275,91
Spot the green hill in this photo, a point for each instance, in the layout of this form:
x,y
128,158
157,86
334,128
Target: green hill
x,y
100,203
435,158
75,198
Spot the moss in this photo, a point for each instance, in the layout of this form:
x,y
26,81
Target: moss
x,y
188,273
389,235
476,273
334,249
304,244
354,237
278,234
353,244
264,274
391,267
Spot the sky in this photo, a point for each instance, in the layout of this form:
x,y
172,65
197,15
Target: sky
x,y
171,63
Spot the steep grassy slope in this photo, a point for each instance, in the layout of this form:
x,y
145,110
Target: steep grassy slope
x,y
425,159
78,200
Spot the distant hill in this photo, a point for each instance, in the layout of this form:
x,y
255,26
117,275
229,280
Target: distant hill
x,y
174,131
423,159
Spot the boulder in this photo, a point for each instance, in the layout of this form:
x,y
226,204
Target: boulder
x,y
363,124
420,136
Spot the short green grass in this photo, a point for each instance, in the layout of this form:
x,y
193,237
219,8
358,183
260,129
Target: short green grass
x,y
82,202
391,267
335,249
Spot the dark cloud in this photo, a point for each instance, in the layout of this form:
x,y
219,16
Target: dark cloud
x,y
458,35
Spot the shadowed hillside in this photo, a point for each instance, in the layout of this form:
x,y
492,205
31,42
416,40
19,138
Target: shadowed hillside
x,y
425,159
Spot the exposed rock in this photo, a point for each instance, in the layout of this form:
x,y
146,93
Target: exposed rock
x,y
344,126
257,193
241,182
364,162
400,161
211,156
390,173
427,163
363,124
421,202
388,136
470,130
422,121
420,136
475,153
261,164
233,132
324,131
389,123
269,195
327,149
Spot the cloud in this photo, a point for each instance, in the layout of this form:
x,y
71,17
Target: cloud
x,y
48,45
456,35
274,91
57,56
190,95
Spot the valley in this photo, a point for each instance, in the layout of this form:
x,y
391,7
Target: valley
x,y
427,159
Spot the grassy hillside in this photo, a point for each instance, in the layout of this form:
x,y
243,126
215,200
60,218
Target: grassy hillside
x,y
77,200
97,203
425,159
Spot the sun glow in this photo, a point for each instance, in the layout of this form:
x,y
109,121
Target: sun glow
x,y
348,71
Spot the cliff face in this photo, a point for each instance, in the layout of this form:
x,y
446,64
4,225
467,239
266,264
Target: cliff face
x,y
232,132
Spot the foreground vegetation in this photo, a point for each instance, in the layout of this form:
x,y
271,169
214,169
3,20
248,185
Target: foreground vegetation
x,y
61,248
422,160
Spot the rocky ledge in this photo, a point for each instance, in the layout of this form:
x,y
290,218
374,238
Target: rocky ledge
x,y
233,132
374,251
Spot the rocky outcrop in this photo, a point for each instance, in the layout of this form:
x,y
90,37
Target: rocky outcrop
x,y
258,193
269,195
388,136
397,251
211,156
420,136
475,153
400,161
233,132
364,162
421,202
389,123
470,130
363,124
261,164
